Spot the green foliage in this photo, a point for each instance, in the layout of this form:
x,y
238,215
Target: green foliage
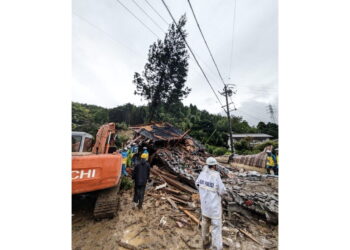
x,y
269,128
243,146
121,125
217,151
121,140
263,145
208,128
126,183
88,118
163,80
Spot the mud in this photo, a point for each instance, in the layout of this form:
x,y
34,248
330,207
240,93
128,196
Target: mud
x,y
142,228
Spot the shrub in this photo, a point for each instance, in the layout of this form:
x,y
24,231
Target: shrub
x,y
260,147
219,151
126,183
121,125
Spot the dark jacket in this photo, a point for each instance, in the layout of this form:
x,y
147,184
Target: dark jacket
x,y
141,172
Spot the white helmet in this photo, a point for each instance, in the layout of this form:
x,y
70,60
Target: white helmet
x,y
211,161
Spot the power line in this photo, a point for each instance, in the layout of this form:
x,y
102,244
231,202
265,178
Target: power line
x,y
107,34
183,37
148,15
233,31
200,30
137,18
165,21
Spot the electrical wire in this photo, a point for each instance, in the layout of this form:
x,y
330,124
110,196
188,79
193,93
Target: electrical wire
x,y
148,16
233,32
165,21
183,37
107,34
137,18
200,30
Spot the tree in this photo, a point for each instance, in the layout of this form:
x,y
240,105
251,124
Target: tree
x,y
164,76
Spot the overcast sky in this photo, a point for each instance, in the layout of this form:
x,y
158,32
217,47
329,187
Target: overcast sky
x,y
109,45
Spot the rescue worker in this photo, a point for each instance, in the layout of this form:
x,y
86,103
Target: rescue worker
x,y
211,189
276,150
134,150
145,154
124,161
271,163
130,155
140,176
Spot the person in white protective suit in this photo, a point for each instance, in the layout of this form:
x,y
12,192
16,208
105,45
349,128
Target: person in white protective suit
x,y
211,189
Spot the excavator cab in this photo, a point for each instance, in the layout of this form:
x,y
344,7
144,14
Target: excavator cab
x,y
81,142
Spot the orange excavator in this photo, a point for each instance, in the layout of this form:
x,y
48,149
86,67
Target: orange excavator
x,y
97,168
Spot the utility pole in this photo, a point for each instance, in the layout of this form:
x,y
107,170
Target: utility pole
x,y
228,92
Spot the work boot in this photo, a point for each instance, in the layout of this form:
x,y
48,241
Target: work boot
x,y
134,205
140,206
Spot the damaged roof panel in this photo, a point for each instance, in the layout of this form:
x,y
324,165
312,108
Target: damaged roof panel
x,y
159,132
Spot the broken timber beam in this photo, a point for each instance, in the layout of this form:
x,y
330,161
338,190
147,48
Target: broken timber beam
x,y
171,190
178,185
194,218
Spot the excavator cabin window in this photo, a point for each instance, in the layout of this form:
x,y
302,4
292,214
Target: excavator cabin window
x,y
87,147
76,140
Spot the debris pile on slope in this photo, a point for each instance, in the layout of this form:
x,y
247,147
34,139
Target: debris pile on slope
x,y
181,159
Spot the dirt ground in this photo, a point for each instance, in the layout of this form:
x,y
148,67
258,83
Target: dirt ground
x,y
143,228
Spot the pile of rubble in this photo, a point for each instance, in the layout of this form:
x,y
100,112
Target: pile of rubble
x,y
180,159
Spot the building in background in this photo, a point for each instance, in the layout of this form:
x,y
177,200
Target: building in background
x,y
255,138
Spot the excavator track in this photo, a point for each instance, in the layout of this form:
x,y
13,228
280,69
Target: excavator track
x,y
107,203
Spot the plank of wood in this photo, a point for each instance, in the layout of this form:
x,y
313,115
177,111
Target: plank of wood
x,y
179,200
250,236
160,186
171,190
179,185
194,218
172,203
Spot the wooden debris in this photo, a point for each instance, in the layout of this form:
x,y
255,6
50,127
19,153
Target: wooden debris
x,y
186,242
179,185
171,190
179,200
250,236
194,218
160,186
179,224
172,203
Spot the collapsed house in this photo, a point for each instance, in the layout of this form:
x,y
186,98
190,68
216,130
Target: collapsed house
x,y
180,159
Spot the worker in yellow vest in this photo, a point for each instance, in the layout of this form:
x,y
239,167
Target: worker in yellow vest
x,y
145,154
271,163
